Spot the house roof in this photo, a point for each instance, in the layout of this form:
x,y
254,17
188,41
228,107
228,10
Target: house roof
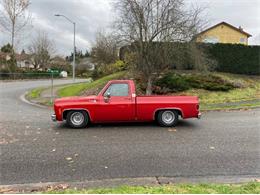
x,y
22,57
227,24
18,57
3,55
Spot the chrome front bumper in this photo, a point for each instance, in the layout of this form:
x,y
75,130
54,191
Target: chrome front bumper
x,y
53,117
199,116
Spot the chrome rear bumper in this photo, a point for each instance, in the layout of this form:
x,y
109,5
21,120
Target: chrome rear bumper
x,y
53,117
199,116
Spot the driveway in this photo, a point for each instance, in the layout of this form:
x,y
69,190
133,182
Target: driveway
x,y
34,149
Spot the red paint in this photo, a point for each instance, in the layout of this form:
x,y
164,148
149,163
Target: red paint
x,y
126,108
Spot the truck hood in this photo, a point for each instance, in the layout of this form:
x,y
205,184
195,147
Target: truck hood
x,y
75,99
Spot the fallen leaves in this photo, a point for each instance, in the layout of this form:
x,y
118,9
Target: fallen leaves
x,y
68,158
8,140
212,147
172,130
6,190
57,187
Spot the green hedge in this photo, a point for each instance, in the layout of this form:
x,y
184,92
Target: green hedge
x,y
232,58
4,74
235,58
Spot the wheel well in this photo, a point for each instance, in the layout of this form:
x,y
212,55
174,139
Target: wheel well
x,y
65,113
157,112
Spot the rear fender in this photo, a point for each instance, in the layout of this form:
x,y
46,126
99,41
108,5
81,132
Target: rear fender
x,y
168,108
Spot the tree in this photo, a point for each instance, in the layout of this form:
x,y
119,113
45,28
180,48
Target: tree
x,y
151,26
10,63
14,16
87,54
41,49
78,56
105,50
7,48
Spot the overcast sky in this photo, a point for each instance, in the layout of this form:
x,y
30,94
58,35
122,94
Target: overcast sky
x,y
93,15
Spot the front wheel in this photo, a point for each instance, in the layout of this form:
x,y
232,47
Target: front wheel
x,y
77,119
168,118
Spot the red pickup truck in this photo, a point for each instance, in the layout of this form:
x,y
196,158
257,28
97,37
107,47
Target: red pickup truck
x,y
117,102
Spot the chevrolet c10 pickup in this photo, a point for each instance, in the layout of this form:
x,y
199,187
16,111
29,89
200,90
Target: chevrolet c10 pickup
x,y
117,102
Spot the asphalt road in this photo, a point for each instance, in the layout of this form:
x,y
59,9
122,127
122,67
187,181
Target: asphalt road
x,y
34,149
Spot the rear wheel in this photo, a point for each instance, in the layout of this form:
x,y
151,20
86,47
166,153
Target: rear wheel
x,y
77,119
168,118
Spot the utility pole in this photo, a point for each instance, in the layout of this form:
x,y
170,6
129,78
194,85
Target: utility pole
x,y
74,44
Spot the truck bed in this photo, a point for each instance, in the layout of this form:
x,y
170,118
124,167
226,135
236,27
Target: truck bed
x,y
147,105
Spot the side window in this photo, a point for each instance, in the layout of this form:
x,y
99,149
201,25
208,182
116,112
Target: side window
x,y
120,89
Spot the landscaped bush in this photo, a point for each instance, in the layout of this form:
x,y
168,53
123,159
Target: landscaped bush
x,y
107,69
173,82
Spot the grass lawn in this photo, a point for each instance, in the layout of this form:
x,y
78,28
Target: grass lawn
x,y
77,89
211,100
35,93
247,95
248,188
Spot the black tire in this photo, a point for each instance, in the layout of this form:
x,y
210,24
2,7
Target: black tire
x,y
77,115
171,122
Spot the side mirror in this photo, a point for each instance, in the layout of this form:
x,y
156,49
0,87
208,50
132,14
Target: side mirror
x,y
107,97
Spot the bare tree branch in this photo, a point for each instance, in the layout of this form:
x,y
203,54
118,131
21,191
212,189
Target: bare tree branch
x,y
151,26
41,49
14,17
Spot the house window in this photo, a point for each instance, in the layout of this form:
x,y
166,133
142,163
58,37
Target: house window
x,y
242,40
211,39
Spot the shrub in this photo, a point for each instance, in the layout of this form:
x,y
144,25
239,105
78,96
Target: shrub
x,y
172,82
107,69
119,65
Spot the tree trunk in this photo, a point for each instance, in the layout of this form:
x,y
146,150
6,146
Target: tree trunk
x,y
149,86
12,36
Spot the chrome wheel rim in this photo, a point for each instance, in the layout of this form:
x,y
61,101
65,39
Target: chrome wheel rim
x,y
77,118
168,117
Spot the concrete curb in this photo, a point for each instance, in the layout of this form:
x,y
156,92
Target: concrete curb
x,y
108,183
23,99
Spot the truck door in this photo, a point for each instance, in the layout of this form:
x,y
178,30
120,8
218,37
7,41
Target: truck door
x,y
116,104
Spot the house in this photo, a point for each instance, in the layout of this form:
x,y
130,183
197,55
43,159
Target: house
x,y
223,33
23,60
